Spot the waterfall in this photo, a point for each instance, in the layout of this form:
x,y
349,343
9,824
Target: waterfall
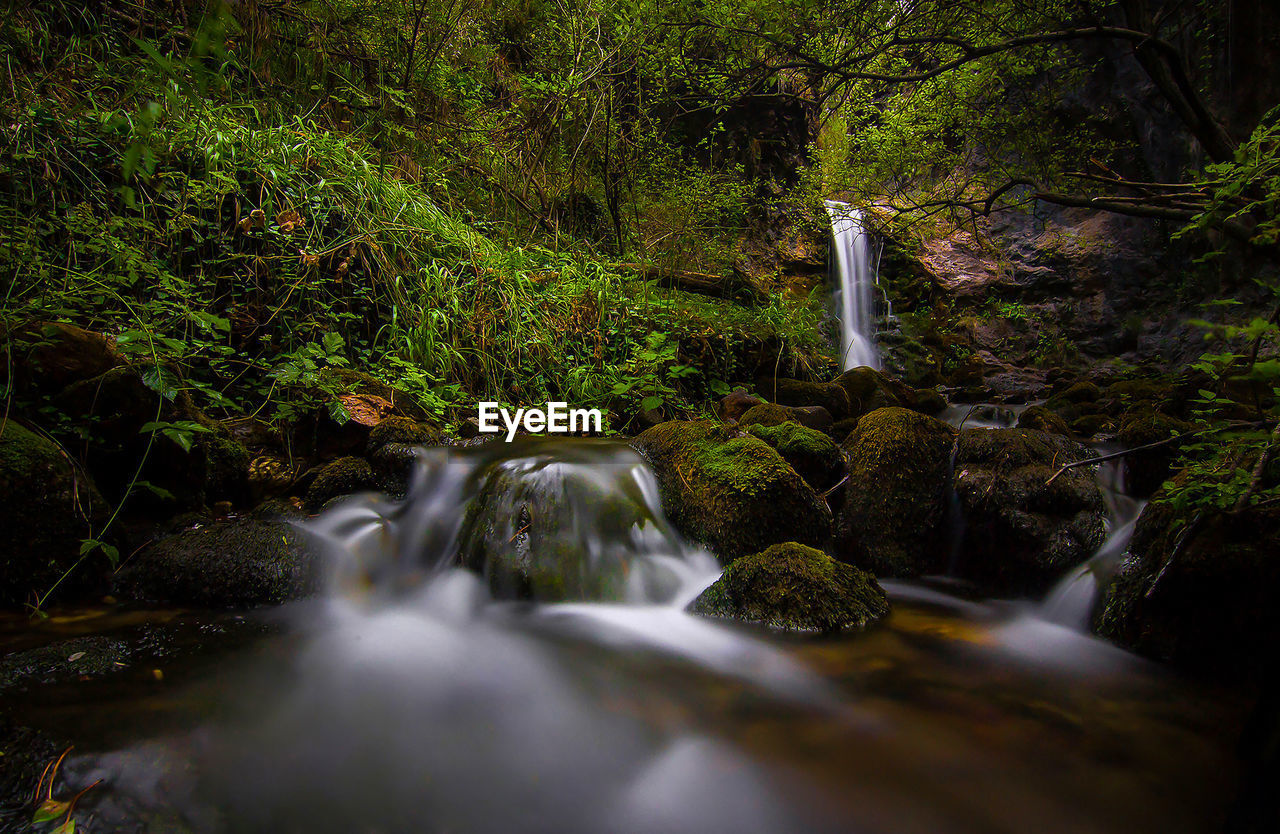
x,y
855,274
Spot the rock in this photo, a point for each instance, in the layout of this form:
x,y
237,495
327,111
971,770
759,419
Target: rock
x,y
811,453
794,392
404,431
1039,418
47,507
1214,609
343,476
1091,424
839,431
735,404
869,389
769,414
1080,392
270,476
929,401
894,511
48,356
228,564
67,660
1145,471
731,491
793,588
1021,533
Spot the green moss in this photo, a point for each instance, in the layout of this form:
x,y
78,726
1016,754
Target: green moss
x,y
404,431
811,453
896,498
869,389
731,491
1081,392
1039,418
790,587
929,401
766,414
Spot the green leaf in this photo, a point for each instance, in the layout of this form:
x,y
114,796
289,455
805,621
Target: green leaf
x,y
338,412
48,811
649,403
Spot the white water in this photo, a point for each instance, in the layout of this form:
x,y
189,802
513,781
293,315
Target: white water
x,y
1071,602
855,271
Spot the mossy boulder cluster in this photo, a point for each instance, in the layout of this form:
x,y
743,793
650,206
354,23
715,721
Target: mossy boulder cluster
x,y
895,507
793,588
812,454
1025,523
730,490
1200,594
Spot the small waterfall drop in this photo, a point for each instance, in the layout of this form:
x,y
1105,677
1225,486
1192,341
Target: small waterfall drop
x,y
855,272
1070,603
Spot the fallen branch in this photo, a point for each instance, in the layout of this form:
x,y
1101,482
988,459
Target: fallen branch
x,y
703,283
1156,445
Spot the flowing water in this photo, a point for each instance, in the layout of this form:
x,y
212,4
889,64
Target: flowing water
x,y
418,696
855,274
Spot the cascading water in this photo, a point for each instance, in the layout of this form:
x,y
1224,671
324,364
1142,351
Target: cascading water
x,y
855,274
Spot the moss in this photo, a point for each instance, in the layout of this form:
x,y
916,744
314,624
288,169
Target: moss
x,y
1039,418
404,431
1080,392
226,470
811,453
869,389
766,414
790,587
929,401
731,491
896,498
1148,469
47,507
1090,424
1134,390
341,477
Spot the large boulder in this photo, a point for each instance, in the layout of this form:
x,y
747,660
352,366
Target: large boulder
x,y
811,453
1024,527
1148,469
340,477
47,508
229,564
895,506
1201,596
790,587
731,491
869,389
771,414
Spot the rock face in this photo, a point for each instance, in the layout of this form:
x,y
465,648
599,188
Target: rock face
x,y
1148,469
1022,533
793,588
231,564
47,507
731,491
895,503
1214,608
812,454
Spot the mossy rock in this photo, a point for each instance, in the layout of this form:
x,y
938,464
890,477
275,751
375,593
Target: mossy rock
x,y
731,491
895,505
233,564
48,356
869,389
1203,601
735,404
794,392
811,453
404,431
929,401
1091,424
343,476
1135,390
1148,469
793,588
771,414
226,466
839,431
47,507
1039,418
1080,392
1021,532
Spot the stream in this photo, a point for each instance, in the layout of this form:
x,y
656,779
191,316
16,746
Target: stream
x,y
415,695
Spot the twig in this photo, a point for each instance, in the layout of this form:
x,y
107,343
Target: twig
x,y
1112,456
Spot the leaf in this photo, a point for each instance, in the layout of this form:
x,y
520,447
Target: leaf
x,y
338,412
68,827
182,438
48,811
650,403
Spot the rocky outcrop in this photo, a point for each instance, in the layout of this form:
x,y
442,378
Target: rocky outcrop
x,y
1024,527
731,491
792,588
895,503
231,564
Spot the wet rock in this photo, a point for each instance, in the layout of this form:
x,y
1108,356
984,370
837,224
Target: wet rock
x,y
1021,533
770,414
736,404
402,430
47,508
1147,470
1039,418
811,453
270,476
1202,598
929,401
343,476
794,392
48,356
1090,425
793,588
73,659
869,389
895,503
228,564
1080,392
839,431
730,490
